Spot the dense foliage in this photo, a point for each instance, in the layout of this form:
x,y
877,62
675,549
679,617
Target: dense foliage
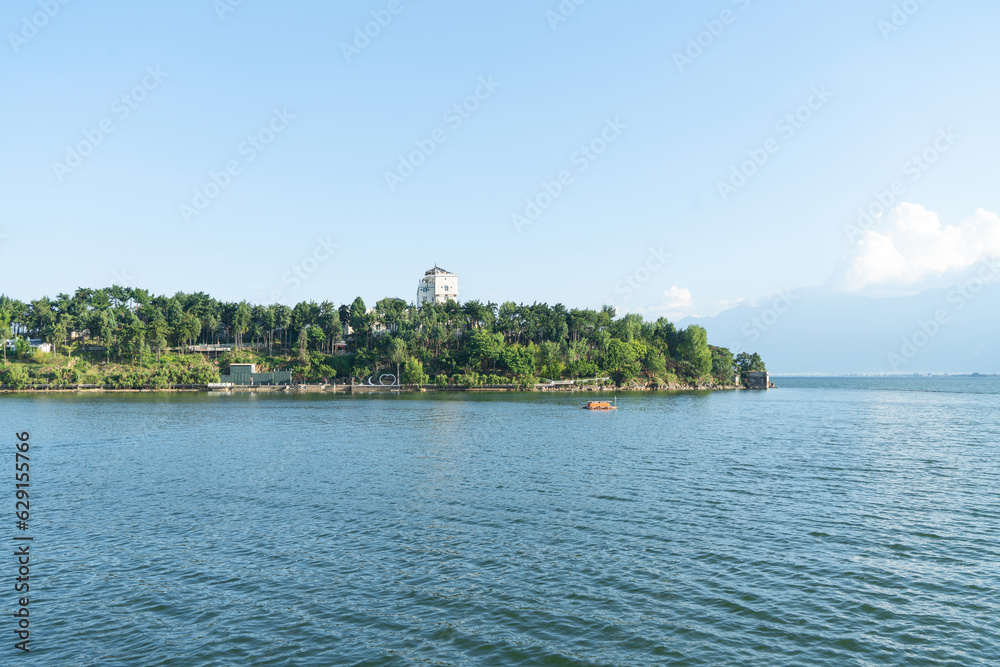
x,y
128,337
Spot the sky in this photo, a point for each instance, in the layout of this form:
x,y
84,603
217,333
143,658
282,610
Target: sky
x,y
667,158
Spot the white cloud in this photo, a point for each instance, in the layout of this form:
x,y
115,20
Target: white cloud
x,y
677,297
678,303
914,249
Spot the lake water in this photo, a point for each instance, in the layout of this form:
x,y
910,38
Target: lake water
x,y
829,522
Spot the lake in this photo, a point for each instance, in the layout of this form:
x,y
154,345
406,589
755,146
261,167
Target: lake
x,y
833,521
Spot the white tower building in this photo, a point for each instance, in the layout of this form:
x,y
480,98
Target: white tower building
x,y
437,286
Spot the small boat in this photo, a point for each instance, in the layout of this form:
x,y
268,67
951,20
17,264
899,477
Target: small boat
x,y
601,405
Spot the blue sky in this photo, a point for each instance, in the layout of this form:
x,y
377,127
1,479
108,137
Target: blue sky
x,y
647,207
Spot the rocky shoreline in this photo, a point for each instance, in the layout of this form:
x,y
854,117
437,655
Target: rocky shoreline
x,y
370,389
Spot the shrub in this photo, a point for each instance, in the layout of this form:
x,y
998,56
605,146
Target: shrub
x,y
471,380
583,369
413,372
40,357
14,376
160,379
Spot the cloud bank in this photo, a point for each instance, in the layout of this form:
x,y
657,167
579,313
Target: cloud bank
x,y
912,250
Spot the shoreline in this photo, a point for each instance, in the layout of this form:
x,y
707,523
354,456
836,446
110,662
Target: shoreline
x,y
358,389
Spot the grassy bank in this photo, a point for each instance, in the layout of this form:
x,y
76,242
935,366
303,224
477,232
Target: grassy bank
x,y
173,371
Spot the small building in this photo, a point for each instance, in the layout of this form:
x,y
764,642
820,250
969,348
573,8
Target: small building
x,y
211,348
246,374
33,343
757,380
437,286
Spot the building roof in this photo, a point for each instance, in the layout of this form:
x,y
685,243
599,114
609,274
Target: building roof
x,y
437,270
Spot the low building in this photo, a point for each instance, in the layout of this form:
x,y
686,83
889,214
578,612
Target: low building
x,y
246,374
757,380
211,348
437,286
34,343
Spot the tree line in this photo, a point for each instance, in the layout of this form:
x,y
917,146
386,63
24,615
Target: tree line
x,y
472,342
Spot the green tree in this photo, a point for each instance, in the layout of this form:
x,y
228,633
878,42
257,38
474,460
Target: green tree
x,y
241,322
413,372
329,319
317,337
5,330
190,328
104,324
156,332
359,321
303,344
747,363
174,313
723,364
654,363
398,353
60,332
283,321
133,337
269,321
14,376
622,361
516,359
478,314
210,326
484,348
693,348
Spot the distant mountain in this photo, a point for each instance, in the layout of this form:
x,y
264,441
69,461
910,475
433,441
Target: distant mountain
x,y
950,330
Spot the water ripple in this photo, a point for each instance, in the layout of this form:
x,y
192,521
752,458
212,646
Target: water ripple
x,y
822,524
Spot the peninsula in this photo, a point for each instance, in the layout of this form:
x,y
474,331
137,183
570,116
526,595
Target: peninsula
x,y
126,338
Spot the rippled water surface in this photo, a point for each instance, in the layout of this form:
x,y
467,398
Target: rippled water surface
x,y
829,522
